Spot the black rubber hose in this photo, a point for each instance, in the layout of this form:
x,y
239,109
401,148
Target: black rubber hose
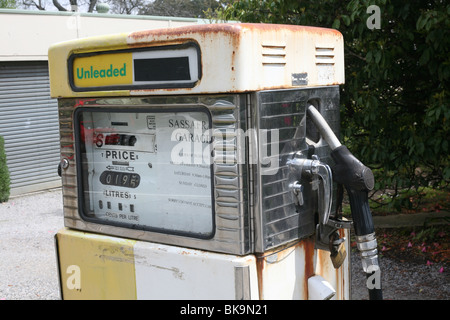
x,y
375,293
358,180
361,214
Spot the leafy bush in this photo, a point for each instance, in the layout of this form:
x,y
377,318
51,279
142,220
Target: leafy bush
x,y
4,173
395,103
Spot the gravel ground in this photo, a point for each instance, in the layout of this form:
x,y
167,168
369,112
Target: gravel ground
x,y
402,281
27,251
28,265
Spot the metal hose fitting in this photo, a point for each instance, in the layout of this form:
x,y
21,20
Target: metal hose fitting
x,y
367,246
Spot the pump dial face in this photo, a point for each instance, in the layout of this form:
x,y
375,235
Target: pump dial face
x,y
146,168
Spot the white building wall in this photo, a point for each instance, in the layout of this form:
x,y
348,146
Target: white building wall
x,y
26,35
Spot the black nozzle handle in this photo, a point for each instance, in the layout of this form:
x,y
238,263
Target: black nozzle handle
x,y
351,172
358,180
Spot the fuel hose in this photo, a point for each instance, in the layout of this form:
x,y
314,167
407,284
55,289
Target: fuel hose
x,y
358,180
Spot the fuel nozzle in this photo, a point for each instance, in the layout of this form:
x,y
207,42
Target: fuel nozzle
x,y
358,180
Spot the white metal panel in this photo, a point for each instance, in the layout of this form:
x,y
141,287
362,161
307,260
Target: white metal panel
x,y
29,124
234,58
168,272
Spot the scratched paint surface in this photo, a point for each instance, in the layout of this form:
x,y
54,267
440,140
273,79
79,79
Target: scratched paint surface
x,y
105,266
117,268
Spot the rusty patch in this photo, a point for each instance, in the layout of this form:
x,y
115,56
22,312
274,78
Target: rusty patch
x,y
305,245
260,263
309,262
232,29
184,31
142,92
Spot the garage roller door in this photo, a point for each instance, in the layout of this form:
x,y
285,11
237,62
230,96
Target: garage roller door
x,y
29,124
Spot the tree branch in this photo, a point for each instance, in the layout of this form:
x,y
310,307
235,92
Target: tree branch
x,y
354,54
92,5
37,5
58,6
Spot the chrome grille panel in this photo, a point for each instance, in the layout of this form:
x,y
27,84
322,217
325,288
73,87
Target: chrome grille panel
x,y
232,228
279,220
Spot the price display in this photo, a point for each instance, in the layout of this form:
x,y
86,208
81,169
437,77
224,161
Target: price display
x,y
146,169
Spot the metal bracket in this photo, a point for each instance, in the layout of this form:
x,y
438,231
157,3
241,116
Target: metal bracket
x,y
297,189
340,224
316,169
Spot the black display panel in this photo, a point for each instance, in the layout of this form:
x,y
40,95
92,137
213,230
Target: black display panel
x,y
162,69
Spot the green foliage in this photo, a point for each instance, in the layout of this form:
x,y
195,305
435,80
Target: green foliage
x,y
394,104
411,200
395,108
8,4
183,8
426,235
4,173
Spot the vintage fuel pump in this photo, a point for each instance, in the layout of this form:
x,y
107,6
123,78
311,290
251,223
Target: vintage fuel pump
x,y
198,163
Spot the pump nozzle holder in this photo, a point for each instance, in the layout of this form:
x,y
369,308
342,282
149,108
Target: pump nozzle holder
x,y
351,172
